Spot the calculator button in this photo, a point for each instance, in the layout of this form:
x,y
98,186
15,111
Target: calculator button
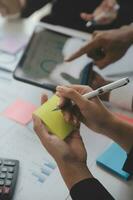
x,y
9,176
11,169
6,190
0,162
3,176
8,183
4,169
9,163
1,182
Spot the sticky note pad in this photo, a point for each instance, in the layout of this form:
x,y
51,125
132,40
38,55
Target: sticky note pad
x,y
54,120
113,159
20,111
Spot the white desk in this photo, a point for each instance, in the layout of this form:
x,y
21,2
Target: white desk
x,y
21,143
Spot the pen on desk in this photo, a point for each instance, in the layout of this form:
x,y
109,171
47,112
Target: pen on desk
x,y
99,91
103,14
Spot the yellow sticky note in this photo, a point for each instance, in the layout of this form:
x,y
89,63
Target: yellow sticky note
x,y
54,120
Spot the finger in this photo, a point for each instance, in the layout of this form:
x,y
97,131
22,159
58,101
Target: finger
x,y
86,17
40,129
67,116
95,33
87,49
73,95
44,98
75,121
104,62
82,89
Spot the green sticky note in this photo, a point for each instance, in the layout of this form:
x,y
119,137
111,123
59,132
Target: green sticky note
x,y
54,120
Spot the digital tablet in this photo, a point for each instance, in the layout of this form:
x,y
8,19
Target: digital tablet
x,y
43,61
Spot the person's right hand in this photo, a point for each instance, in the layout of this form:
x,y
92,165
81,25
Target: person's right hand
x,y
11,7
91,112
113,44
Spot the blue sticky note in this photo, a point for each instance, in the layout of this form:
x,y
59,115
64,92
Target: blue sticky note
x,y
113,160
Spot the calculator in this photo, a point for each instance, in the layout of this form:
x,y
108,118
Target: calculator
x,y
8,178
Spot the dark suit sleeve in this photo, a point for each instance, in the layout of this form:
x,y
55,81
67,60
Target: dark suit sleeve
x,y
128,166
90,189
32,6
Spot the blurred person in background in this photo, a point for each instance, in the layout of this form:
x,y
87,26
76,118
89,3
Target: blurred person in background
x,y
114,44
75,13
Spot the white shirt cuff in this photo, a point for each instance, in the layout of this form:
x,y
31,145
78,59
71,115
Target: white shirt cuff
x,y
123,97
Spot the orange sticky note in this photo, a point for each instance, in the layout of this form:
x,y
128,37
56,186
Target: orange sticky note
x,y
20,111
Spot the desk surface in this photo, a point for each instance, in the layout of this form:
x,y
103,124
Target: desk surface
x,y
20,142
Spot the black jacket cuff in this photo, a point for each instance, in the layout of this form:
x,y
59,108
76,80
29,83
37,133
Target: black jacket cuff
x,y
128,166
90,189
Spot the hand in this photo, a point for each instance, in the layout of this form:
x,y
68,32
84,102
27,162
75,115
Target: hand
x,y
91,112
95,116
106,7
113,44
11,7
70,154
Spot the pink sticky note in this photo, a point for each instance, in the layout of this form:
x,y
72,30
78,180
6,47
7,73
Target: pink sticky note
x,y
20,111
12,45
125,118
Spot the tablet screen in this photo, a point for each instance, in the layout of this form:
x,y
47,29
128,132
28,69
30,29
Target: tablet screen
x,y
43,61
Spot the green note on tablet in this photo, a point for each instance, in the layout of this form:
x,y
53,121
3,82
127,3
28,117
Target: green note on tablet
x,y
54,120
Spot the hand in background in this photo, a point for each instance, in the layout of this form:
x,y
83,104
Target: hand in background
x,y
91,112
70,154
106,10
113,44
11,7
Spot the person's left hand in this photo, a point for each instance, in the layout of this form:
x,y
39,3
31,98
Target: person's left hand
x,y
69,154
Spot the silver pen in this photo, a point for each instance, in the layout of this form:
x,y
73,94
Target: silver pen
x,y
98,92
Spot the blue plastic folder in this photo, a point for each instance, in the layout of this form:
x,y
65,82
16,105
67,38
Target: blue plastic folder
x,y
113,160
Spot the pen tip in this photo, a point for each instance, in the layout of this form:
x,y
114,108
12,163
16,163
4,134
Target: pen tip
x,y
55,109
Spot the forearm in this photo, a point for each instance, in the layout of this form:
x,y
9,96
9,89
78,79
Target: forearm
x,y
121,132
74,173
81,183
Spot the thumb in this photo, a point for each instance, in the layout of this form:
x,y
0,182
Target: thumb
x,y
40,130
